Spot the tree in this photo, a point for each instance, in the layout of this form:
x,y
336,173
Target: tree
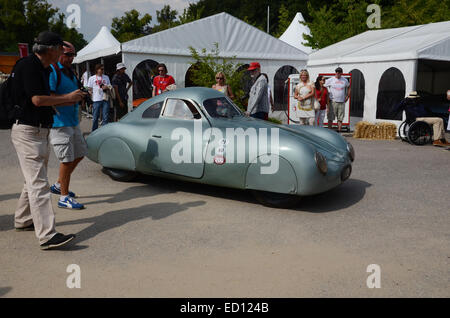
x,y
22,21
416,12
206,65
167,18
131,26
284,20
334,23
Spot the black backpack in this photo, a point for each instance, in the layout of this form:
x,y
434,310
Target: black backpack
x,y
6,105
8,109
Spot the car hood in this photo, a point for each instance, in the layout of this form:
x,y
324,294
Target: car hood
x,y
328,142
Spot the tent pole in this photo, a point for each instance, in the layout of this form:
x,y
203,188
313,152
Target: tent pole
x,y
267,19
88,69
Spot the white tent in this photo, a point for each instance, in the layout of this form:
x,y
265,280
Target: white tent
x,y
391,63
294,34
103,44
234,38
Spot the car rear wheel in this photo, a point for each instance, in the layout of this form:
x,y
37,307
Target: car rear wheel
x,y
119,175
276,200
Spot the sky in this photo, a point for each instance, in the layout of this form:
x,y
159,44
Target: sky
x,y
98,13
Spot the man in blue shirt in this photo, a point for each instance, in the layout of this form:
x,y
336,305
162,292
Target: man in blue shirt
x,y
65,136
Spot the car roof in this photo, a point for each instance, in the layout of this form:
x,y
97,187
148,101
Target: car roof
x,y
197,94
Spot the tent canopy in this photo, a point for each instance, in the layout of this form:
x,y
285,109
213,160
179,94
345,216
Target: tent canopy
x,y
427,41
103,44
235,38
294,34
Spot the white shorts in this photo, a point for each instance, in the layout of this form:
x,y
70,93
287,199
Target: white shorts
x,y
68,143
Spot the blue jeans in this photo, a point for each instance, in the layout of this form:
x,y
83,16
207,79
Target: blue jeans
x,y
259,115
102,106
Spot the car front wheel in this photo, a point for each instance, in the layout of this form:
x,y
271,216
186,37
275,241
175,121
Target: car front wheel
x,y
119,175
276,200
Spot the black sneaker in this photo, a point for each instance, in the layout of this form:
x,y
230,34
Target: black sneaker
x,y
26,228
57,240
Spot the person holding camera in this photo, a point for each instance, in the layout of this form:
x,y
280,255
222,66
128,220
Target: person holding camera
x,y
65,136
98,85
33,116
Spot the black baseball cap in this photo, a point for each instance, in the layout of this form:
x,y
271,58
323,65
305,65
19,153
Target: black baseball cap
x,y
338,70
49,38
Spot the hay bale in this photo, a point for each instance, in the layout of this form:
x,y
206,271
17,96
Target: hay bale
x,y
379,131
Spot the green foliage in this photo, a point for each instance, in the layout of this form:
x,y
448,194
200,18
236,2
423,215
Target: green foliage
x,y
206,65
416,12
346,18
22,21
167,18
284,20
131,26
334,23
275,121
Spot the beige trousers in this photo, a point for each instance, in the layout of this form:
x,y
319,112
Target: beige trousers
x,y
438,126
306,121
35,203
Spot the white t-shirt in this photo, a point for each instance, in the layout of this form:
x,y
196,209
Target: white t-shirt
x,y
94,83
336,88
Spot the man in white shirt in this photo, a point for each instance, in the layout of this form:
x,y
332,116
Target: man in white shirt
x,y
98,84
336,88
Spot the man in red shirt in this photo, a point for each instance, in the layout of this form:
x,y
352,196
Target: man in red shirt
x,y
161,81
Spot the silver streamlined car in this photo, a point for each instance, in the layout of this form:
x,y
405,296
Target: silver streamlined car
x,y
199,135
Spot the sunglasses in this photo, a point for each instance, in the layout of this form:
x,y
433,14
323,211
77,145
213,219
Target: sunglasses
x,y
70,54
219,78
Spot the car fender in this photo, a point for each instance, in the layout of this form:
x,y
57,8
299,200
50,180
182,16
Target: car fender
x,y
283,180
115,153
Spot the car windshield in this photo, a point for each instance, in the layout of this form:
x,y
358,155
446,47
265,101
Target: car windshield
x,y
221,107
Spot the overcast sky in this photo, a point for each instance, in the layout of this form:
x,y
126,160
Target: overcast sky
x,y
96,13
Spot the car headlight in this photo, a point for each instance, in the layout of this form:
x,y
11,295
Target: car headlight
x,y
351,151
321,163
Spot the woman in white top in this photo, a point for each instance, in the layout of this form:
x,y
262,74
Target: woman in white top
x,y
221,85
304,93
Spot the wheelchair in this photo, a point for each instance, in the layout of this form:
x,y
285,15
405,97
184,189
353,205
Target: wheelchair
x,y
418,132
415,132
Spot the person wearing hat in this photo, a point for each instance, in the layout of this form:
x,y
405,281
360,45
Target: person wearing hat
x,y
337,86
419,112
258,100
65,136
119,82
34,117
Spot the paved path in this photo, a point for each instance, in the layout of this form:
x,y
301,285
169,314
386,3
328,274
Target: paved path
x,y
160,238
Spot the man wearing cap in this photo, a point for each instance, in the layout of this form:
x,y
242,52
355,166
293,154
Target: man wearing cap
x,y
258,101
120,81
65,136
336,87
29,134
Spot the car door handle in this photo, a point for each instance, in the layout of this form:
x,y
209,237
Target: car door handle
x,y
156,136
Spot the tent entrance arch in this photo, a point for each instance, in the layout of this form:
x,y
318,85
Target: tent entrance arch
x,y
357,93
143,75
391,90
280,87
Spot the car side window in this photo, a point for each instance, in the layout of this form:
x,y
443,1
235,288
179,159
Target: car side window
x,y
178,108
153,111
